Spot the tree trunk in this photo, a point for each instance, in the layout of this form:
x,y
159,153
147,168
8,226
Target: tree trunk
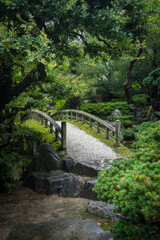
x,y
125,85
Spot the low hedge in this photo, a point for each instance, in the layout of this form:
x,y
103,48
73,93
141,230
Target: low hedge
x,y
103,110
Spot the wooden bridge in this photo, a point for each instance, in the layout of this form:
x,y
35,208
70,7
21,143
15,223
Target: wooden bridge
x,y
71,114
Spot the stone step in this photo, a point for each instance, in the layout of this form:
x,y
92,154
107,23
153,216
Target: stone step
x,y
90,168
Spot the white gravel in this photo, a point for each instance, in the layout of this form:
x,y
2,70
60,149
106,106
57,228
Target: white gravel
x,y
83,147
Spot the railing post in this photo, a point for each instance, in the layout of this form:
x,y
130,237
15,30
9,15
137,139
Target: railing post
x,y
77,117
107,133
51,127
83,119
98,125
71,115
46,121
63,129
90,122
34,147
41,120
118,128
56,134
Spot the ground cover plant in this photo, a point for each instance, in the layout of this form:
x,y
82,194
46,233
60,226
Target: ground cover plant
x,y
133,185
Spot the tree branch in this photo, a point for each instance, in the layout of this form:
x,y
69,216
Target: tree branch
x,y
125,85
36,75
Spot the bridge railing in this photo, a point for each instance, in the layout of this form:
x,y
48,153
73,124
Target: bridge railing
x,y
49,122
108,129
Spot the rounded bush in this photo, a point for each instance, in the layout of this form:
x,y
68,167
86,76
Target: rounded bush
x,y
133,185
140,99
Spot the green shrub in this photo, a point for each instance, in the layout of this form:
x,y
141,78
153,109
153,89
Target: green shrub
x,y
152,82
126,123
133,185
121,118
22,139
12,166
140,99
103,110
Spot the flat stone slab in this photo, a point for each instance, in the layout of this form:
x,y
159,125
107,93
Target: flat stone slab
x,y
61,229
102,209
46,182
90,168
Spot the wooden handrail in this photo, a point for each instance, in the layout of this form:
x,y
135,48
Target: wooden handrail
x,y
51,123
101,125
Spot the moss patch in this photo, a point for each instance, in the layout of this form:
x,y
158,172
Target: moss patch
x,y
47,136
122,150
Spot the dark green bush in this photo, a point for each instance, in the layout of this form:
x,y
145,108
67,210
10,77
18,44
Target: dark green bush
x,y
133,185
103,110
22,139
126,121
140,99
19,144
11,169
128,135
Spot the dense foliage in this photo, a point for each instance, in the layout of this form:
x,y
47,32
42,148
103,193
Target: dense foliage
x,y
18,150
133,185
103,110
152,83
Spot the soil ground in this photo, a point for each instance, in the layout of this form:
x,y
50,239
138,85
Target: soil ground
x,y
25,206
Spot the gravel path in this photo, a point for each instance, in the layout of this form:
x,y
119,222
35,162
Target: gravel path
x,y
83,147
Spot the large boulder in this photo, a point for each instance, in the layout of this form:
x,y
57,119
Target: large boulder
x,y
61,229
45,159
46,182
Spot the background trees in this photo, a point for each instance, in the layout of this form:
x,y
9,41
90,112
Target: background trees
x,y
33,32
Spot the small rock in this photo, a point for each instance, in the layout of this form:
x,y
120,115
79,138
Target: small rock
x,y
68,164
71,188
102,210
87,190
89,169
116,113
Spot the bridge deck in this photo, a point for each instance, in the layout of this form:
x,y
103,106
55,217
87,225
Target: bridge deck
x,y
84,147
